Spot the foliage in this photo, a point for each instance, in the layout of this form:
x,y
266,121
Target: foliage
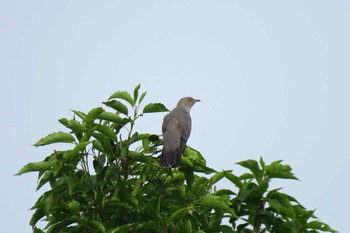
x,y
110,181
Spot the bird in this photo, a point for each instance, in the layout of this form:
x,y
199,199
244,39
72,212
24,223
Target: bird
x,y
176,130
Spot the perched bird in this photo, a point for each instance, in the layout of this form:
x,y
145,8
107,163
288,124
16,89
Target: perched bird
x,y
176,130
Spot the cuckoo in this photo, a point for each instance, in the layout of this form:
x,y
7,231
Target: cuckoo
x,y
176,130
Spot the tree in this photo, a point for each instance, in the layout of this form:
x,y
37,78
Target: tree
x,y
111,181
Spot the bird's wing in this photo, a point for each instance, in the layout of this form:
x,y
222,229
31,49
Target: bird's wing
x,y
166,121
185,122
171,154
171,132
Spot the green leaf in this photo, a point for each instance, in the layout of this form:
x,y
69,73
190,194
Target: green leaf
x,y
246,176
87,135
81,115
215,178
278,170
263,186
317,225
75,126
74,207
96,226
136,92
72,183
103,143
38,214
78,148
118,106
55,138
200,184
151,225
189,176
35,167
262,163
184,227
281,203
92,116
72,124
248,193
233,178
282,175
108,116
134,138
275,204
122,229
154,107
226,229
44,179
97,145
124,96
215,202
37,230
149,137
227,192
145,143
64,121
59,227
186,162
253,166
287,212
194,156
47,202
242,228
142,96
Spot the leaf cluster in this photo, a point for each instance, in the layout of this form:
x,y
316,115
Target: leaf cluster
x,y
110,181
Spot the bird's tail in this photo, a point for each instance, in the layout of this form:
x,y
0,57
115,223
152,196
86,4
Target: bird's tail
x,y
170,158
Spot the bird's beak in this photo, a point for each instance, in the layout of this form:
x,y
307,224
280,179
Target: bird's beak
x,y
196,100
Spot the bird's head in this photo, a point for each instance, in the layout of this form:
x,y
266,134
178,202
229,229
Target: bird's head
x,y
187,102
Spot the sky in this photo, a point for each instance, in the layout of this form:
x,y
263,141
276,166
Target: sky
x,y
273,77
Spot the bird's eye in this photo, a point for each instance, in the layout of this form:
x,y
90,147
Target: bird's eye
x,y
189,99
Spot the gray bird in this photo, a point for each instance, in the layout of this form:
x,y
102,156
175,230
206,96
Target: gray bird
x,y
176,130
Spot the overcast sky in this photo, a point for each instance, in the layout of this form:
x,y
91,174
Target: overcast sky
x,y
273,77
